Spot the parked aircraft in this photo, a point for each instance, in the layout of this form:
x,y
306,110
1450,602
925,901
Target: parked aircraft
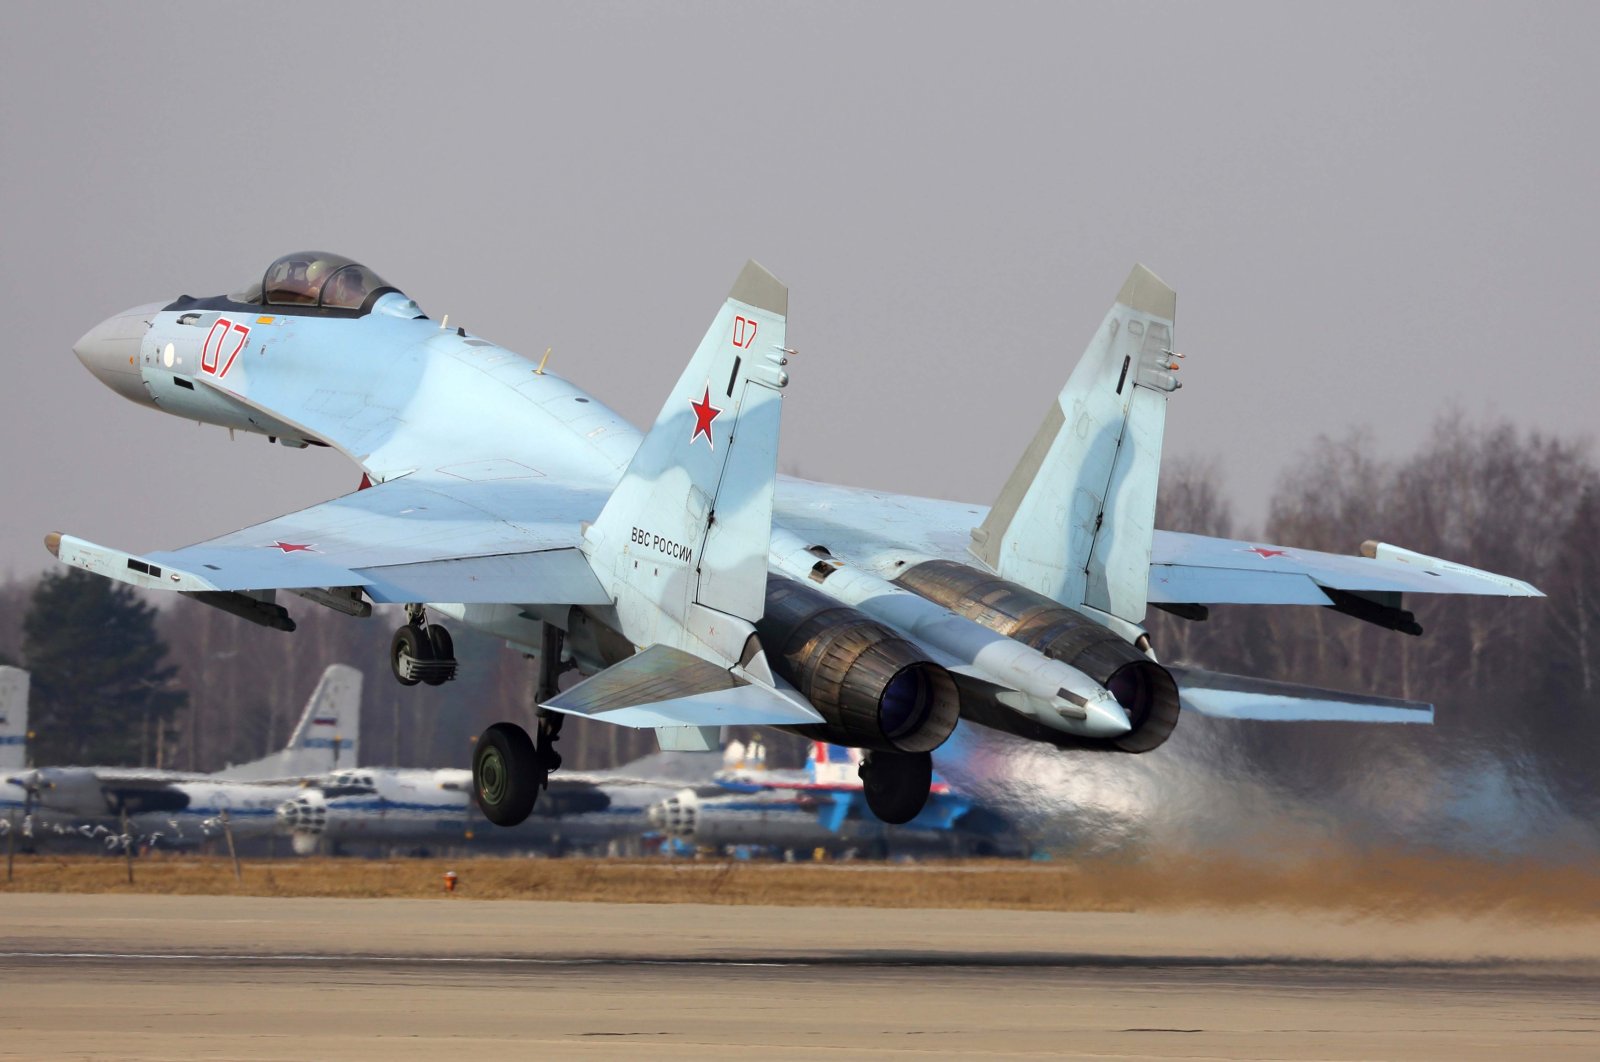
x,y
411,807
823,806
696,586
178,808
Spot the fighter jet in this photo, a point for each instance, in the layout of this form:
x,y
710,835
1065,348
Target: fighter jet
x,y
177,808
692,584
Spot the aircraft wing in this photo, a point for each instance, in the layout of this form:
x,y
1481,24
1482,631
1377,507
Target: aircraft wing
x,y
93,792
1184,568
1195,569
417,538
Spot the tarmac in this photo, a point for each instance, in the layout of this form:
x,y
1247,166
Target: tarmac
x,y
176,977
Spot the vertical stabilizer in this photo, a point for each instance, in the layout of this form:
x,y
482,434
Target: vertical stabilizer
x,y
326,738
683,539
13,718
1076,519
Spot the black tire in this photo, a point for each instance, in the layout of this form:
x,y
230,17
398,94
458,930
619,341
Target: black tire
x,y
443,647
413,643
505,780
896,784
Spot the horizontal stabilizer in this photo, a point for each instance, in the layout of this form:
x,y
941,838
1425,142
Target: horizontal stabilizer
x,y
667,687
689,738
1242,697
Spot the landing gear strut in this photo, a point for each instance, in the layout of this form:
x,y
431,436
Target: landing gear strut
x,y
508,767
421,651
896,784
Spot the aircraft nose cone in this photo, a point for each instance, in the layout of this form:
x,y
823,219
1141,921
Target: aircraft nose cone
x,y
657,814
110,350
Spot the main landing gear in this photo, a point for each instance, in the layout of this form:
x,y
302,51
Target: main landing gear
x,y
421,651
896,784
509,767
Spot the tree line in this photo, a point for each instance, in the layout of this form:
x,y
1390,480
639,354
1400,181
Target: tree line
x,y
1511,678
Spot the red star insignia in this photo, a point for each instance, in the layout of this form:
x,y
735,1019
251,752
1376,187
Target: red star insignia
x,y
704,414
1263,552
294,547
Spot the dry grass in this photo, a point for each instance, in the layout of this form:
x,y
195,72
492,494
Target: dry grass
x,y
1395,884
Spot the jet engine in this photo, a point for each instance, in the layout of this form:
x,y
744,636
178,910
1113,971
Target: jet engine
x,y
875,689
1145,689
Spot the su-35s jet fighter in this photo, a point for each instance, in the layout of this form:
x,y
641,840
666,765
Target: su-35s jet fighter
x,y
695,586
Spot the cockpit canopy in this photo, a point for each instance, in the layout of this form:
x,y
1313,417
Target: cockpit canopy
x,y
349,783
316,278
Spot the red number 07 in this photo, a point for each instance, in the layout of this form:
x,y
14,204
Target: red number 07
x,y
216,340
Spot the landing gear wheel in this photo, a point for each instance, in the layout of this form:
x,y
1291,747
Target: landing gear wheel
x,y
408,647
444,651
896,784
505,774
421,651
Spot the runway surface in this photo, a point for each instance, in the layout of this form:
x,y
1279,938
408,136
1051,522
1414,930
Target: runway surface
x,y
158,977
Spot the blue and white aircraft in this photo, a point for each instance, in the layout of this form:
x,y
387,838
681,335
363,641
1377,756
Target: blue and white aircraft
x,y
181,808
601,810
694,584
823,806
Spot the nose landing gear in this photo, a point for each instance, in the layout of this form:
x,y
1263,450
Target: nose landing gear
x,y
421,651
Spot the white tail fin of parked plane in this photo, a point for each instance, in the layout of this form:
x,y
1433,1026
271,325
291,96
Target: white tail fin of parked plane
x,y
13,719
681,545
326,738
1076,519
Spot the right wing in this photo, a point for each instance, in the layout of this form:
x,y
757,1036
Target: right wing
x,y
418,538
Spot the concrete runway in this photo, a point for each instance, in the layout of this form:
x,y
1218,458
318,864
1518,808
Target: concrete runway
x,y
158,977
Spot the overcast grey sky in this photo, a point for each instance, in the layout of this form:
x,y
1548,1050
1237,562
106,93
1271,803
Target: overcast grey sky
x,y
1370,213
